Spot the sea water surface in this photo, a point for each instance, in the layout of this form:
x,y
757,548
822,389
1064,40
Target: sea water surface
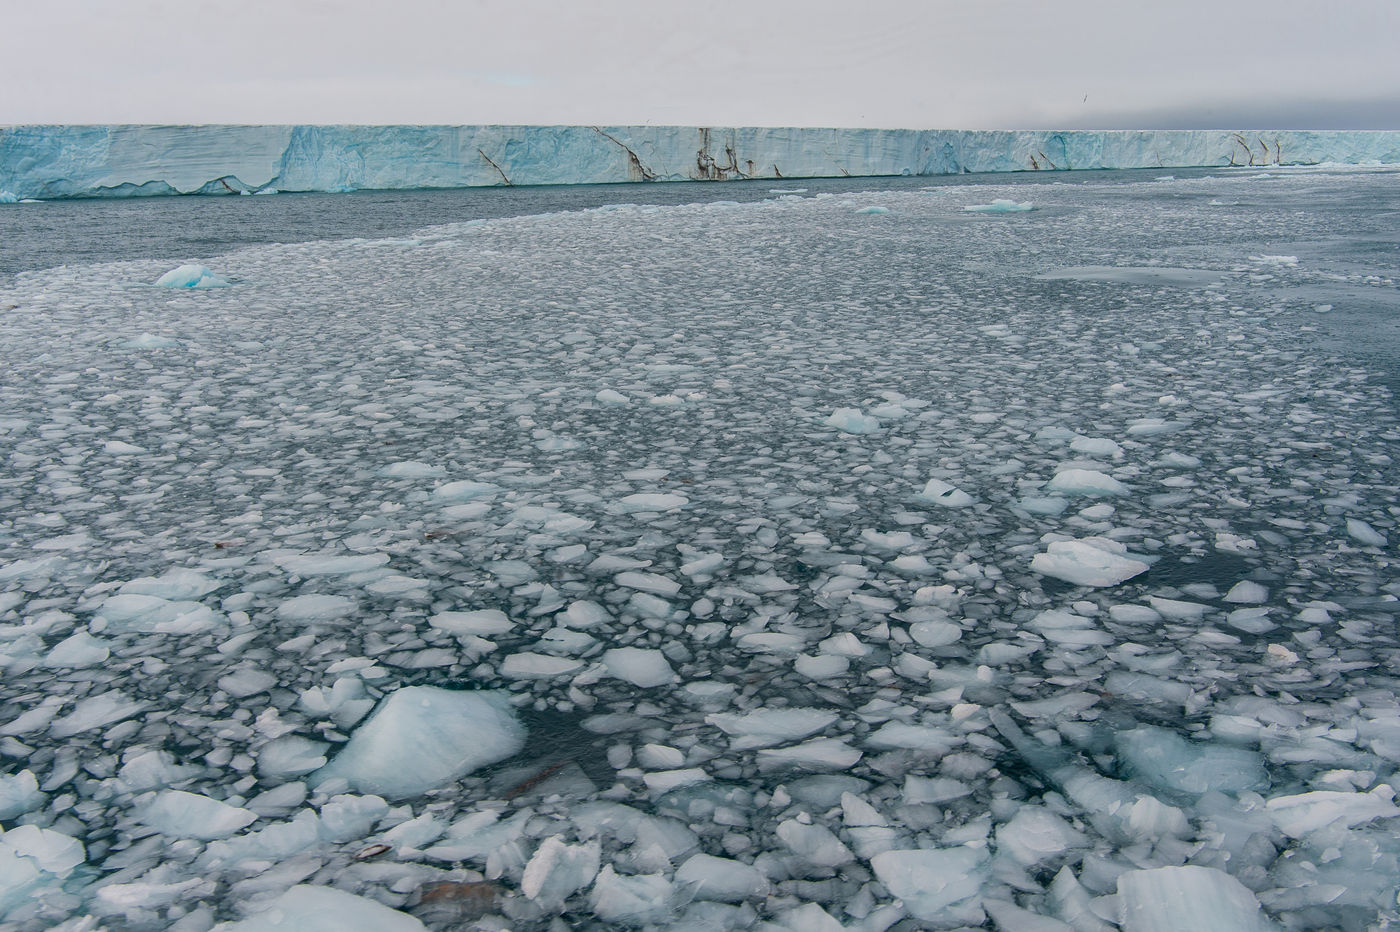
x,y
840,558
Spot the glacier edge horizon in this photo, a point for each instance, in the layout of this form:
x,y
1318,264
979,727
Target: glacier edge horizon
x,y
72,161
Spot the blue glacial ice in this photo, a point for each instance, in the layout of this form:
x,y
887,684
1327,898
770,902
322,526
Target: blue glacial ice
x,y
190,276
125,160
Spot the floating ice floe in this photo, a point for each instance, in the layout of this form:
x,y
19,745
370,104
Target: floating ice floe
x,y
423,737
1085,482
191,276
938,492
1203,899
1000,205
1086,563
852,421
308,908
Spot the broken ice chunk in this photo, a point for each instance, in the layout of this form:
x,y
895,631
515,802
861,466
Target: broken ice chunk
x,y
1084,564
938,492
722,879
650,501
1363,533
639,666
766,727
821,754
480,623
306,908
1298,815
308,608
191,815
852,421
814,844
1164,759
422,737
556,870
1085,482
1202,899
931,881
630,899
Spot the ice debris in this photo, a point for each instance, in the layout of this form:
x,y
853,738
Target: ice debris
x,y
191,276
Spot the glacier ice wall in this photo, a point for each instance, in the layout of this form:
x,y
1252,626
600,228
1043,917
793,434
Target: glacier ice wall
x,y
124,160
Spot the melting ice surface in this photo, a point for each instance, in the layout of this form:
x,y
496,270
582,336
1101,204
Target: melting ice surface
x,y
717,566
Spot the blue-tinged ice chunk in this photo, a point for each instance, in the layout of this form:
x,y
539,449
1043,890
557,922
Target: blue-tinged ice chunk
x,y
34,861
8,197
557,870
873,210
1000,206
191,276
306,908
1363,533
1202,899
19,793
1164,759
423,737
932,882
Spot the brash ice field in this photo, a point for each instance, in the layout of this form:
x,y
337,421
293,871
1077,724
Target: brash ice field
x,y
840,561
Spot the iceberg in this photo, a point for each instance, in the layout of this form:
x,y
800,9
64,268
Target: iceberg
x,y
38,161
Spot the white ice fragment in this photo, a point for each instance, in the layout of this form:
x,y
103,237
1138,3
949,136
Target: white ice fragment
x,y
929,881
1085,482
190,276
820,754
814,844
852,421
926,738
938,492
464,490
1363,533
1296,816
192,815
650,501
630,899
329,563
95,712
306,908
1247,592
78,650
722,879
608,396
766,727
121,448
821,667
639,666
1251,620
648,582
1082,563
663,781
290,756
527,665
583,614
308,608
423,737
1178,610
1000,205
412,469
175,585
483,622
1095,446
1034,834
933,634
1202,899
557,870
19,794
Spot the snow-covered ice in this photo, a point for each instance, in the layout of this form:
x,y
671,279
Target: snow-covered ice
x,y
962,579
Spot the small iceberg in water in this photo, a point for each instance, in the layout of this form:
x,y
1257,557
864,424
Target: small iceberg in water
x,y
191,276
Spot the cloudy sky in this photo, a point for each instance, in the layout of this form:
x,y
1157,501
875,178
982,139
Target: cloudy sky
x,y
898,63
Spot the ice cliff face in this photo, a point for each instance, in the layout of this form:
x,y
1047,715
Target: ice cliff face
x,y
120,160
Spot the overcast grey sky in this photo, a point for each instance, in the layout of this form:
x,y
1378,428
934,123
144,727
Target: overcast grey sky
x,y
895,63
